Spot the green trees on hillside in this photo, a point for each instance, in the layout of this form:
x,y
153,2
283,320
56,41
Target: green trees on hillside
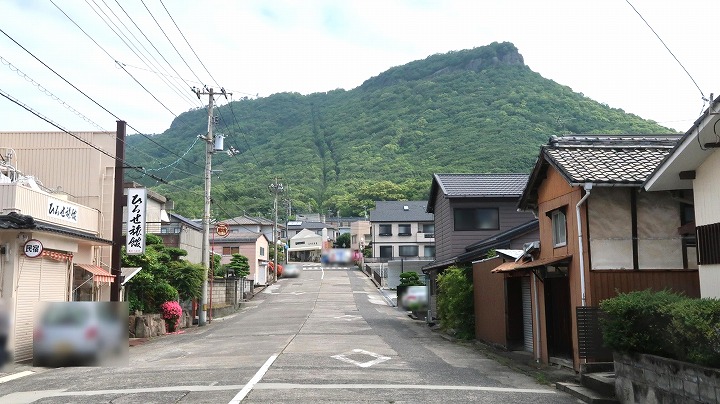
x,y
477,110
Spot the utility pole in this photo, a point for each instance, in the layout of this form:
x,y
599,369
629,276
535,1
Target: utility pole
x,y
210,148
275,188
118,203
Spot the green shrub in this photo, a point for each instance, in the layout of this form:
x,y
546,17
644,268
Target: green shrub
x,y
455,302
664,324
637,321
410,279
695,331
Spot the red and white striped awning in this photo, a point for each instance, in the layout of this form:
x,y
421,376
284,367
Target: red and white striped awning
x,y
100,275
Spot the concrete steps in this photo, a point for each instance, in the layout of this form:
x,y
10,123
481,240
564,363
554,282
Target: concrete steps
x,y
594,388
585,394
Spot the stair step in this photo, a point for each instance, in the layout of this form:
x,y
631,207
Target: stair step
x,y
585,394
602,382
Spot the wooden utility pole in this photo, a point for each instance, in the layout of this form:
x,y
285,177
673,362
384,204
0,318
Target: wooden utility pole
x,y
118,203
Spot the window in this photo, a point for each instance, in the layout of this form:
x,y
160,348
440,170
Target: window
x,y
476,219
177,230
404,230
408,251
353,239
558,226
164,230
429,251
262,251
386,251
428,228
231,250
385,230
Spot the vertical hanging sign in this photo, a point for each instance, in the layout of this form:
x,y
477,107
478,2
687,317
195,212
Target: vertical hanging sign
x,y
136,204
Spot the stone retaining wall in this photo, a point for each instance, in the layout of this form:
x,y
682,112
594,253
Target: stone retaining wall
x,y
152,325
652,379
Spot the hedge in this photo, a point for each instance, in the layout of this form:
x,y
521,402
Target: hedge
x,y
664,324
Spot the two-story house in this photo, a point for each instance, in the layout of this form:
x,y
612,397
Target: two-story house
x,y
184,233
252,245
600,234
44,240
402,230
470,208
689,174
242,224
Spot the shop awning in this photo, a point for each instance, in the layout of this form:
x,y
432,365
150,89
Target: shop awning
x,y
100,275
529,265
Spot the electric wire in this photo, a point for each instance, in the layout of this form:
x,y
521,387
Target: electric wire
x,y
134,49
48,120
188,44
88,97
154,47
110,56
668,49
168,38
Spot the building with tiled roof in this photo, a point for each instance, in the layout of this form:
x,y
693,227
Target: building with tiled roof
x,y
402,229
600,235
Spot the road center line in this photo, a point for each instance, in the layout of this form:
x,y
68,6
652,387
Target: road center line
x,y
258,376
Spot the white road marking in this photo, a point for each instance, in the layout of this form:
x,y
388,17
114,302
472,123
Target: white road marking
x,y
16,376
378,358
290,386
258,376
28,397
348,317
270,289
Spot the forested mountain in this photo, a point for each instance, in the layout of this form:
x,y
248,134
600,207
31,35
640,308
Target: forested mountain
x,y
477,110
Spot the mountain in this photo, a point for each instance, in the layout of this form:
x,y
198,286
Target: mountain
x,y
476,110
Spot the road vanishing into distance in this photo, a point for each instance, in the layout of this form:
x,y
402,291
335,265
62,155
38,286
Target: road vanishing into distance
x,y
328,335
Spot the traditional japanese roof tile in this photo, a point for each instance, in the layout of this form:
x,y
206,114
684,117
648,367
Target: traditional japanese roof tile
x,y
394,211
503,185
600,160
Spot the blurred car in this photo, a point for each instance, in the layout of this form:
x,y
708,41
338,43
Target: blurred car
x,y
291,270
81,334
415,298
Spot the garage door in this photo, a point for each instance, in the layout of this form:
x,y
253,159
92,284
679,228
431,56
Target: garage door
x,y
527,315
40,279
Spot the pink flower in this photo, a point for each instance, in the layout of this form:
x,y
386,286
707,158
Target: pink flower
x,y
171,310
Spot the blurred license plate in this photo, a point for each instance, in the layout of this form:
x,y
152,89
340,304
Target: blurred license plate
x,y
63,348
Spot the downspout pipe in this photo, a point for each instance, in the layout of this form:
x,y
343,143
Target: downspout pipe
x,y
587,187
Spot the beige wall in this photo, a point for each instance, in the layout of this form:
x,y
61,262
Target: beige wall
x,y
707,211
59,160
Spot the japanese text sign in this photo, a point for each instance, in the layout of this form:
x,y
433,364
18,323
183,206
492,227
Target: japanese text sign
x,y
136,206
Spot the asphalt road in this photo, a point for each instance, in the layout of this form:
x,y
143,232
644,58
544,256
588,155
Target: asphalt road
x,y
328,335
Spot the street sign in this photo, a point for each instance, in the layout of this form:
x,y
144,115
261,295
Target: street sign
x,y
222,230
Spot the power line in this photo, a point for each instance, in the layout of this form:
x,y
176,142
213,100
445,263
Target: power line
x,y
131,45
154,47
86,95
48,120
188,44
668,49
168,38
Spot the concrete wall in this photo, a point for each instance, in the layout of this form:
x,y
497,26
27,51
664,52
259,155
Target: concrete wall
x,y
653,379
395,268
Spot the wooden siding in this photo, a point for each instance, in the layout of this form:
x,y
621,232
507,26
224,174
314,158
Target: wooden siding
x,y
489,300
607,284
450,243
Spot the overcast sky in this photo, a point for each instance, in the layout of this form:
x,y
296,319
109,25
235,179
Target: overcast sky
x,y
602,49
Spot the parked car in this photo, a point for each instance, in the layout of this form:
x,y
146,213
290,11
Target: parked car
x,y
81,334
415,298
291,270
